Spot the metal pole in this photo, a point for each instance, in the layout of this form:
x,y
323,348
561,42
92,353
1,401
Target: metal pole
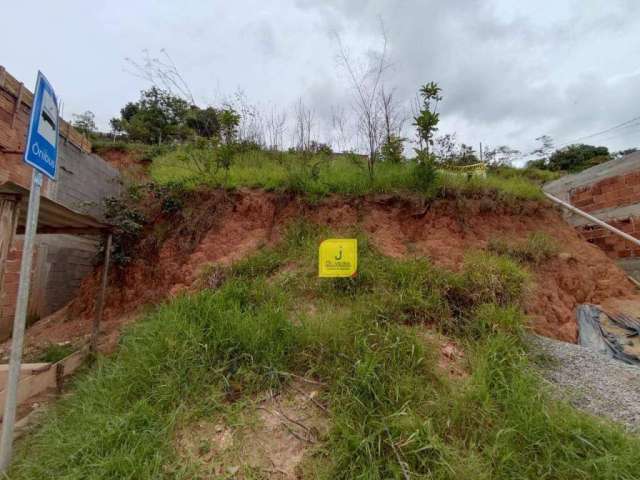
x,y
17,338
593,219
101,295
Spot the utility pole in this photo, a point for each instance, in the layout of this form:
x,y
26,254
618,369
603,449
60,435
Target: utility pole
x,y
481,159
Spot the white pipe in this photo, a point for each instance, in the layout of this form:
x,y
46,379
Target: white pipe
x,y
593,219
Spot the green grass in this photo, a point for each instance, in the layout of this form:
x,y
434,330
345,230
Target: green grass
x,y
319,176
535,175
535,250
391,408
54,352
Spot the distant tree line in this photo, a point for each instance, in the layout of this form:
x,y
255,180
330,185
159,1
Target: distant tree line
x,y
374,121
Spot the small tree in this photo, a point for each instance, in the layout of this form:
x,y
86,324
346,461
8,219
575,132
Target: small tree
x,y
229,122
542,153
367,83
428,118
156,117
445,148
203,121
426,122
84,122
500,156
575,158
392,149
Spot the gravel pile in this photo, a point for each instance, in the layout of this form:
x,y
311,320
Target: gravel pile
x,y
593,382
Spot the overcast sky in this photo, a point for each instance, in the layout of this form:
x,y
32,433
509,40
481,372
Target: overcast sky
x,y
509,71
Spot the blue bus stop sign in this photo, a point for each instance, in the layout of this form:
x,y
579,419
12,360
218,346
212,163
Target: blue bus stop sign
x,y
41,151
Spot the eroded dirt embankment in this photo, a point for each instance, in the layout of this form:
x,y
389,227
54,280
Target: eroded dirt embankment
x,y
224,227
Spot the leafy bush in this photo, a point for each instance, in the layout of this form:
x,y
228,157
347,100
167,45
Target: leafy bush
x,y
128,222
424,176
392,149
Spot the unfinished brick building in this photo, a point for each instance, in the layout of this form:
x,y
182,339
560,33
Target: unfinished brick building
x,y
610,192
61,260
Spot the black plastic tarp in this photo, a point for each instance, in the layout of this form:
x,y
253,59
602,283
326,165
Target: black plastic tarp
x,y
615,335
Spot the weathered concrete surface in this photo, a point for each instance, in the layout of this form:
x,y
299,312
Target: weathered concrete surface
x,y
84,181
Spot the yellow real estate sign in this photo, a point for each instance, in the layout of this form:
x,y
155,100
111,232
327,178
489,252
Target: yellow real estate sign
x,y
338,257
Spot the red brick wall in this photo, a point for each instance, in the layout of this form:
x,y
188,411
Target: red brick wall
x,y
613,245
608,193
9,291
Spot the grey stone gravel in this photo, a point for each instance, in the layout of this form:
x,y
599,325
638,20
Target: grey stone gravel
x,y
591,381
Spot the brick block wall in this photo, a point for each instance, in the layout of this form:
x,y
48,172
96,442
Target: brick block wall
x,y
60,263
84,181
612,192
614,246
9,291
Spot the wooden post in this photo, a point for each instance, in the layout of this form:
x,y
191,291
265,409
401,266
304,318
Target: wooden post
x,y
101,297
8,223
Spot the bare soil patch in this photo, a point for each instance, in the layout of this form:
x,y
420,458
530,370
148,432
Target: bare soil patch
x,y
272,442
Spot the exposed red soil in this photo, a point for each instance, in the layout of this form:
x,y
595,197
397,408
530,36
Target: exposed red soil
x,y
127,162
224,227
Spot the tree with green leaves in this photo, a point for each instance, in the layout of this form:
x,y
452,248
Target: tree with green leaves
x,y
426,122
84,122
229,122
158,116
575,158
542,153
392,149
203,121
428,118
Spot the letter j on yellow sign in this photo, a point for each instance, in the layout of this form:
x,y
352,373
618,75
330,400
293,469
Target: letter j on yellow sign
x,y
338,257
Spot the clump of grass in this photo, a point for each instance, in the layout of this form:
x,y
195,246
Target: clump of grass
x,y
535,250
54,352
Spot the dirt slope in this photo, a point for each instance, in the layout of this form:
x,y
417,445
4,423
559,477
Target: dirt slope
x,y
231,225
223,227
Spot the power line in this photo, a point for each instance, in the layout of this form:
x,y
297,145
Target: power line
x,y
628,123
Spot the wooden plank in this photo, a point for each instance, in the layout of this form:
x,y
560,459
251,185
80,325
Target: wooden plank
x,y
3,74
44,230
50,378
26,369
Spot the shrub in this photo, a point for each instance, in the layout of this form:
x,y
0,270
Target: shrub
x,y
128,223
424,176
487,278
536,249
392,149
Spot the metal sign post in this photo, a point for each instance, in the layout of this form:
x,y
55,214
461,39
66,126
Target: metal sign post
x,y
41,152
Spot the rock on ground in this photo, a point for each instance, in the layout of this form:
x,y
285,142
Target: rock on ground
x,y
593,382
